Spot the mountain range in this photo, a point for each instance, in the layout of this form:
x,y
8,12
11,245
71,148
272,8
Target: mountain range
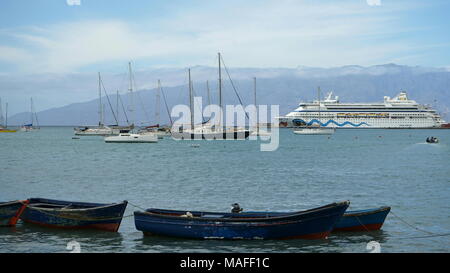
x,y
285,87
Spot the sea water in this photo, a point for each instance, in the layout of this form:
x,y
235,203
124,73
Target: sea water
x,y
370,168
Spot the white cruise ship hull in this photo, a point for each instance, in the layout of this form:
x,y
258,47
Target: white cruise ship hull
x,y
395,113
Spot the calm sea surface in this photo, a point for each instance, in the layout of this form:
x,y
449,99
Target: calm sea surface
x,y
368,167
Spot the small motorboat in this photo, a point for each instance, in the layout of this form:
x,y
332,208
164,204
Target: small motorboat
x,y
74,215
132,138
315,223
310,130
363,220
432,140
10,212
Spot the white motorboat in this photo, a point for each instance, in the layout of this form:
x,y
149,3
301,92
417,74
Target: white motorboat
x,y
211,133
314,131
132,138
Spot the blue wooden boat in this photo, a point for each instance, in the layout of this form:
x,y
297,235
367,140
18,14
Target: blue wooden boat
x,y
362,220
315,223
74,215
10,212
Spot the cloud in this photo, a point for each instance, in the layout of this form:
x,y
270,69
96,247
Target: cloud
x,y
271,34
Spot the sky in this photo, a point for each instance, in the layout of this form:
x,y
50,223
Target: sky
x,y
48,37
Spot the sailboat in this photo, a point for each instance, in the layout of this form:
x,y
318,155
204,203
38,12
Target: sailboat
x,y
207,130
314,129
258,131
30,127
160,131
101,129
129,137
4,122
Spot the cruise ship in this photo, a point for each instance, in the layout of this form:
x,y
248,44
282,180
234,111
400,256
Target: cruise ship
x,y
397,112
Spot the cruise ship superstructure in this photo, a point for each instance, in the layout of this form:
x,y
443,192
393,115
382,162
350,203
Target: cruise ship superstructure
x,y
397,112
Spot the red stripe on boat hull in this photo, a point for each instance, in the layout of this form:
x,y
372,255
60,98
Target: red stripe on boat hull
x,y
368,227
105,227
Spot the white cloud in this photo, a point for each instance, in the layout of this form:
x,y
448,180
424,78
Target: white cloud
x,y
275,33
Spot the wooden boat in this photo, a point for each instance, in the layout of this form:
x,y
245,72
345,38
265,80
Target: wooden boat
x,y
315,223
10,212
363,220
74,215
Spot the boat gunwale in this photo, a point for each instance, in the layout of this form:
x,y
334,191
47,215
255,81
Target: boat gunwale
x,y
241,219
367,212
95,206
234,222
8,203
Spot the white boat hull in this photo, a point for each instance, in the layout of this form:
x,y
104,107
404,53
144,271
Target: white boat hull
x,y
132,138
314,131
211,135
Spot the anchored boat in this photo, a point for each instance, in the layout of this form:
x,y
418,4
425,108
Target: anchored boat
x,y
30,127
133,138
315,223
363,220
206,130
10,212
4,122
74,215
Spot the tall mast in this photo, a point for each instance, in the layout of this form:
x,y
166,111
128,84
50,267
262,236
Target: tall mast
x,y
318,101
31,110
1,113
191,106
100,105
220,88
256,108
117,107
158,103
6,122
130,89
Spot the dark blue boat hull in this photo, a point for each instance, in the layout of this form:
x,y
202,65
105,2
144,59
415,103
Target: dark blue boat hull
x,y
75,215
10,212
363,220
311,224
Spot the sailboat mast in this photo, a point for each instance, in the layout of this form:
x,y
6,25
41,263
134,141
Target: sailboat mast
x,y
318,101
100,105
6,121
1,113
117,107
131,107
220,88
191,106
158,103
31,110
256,108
